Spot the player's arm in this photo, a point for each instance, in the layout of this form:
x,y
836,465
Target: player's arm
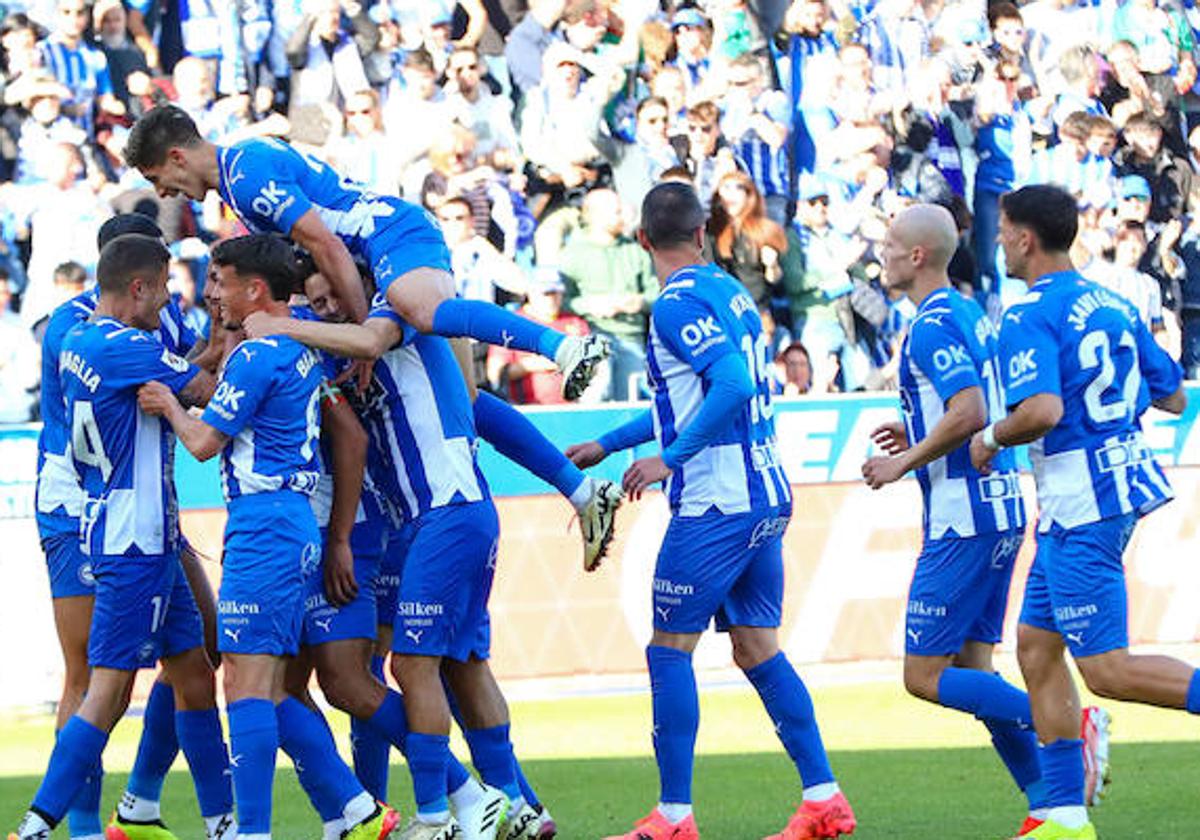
x,y
1032,385
939,350
966,414
199,438
200,390
333,261
369,340
348,451
1162,374
637,431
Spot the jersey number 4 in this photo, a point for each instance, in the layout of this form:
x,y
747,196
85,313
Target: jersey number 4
x,y
86,444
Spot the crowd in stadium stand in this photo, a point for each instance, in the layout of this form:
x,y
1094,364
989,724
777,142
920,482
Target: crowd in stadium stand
x,y
533,128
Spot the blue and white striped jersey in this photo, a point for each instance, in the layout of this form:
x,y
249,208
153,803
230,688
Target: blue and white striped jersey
x,y
951,346
82,69
59,495
1058,165
270,185
701,315
123,457
268,402
1079,341
420,416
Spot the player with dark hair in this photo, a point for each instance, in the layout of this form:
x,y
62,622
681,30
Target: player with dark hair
x,y
264,419
1079,369
274,188
708,366
144,610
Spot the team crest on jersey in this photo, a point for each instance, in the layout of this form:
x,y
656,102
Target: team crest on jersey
x,y
85,575
175,363
146,652
310,558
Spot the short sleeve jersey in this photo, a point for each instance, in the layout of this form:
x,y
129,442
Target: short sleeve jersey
x,y
268,402
124,458
951,346
1079,341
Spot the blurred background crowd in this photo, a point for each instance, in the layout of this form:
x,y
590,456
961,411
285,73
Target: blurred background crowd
x,y
532,129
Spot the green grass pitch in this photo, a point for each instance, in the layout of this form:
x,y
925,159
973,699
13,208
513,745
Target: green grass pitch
x,y
912,771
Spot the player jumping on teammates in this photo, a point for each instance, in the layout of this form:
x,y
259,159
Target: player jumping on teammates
x,y
144,609
721,558
274,188
264,420
1079,369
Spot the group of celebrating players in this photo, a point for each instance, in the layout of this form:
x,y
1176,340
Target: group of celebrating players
x,y
359,524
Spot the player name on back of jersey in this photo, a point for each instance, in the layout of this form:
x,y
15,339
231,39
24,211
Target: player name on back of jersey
x,y
74,364
1089,302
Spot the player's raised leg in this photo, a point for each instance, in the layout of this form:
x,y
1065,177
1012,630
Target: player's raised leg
x,y
516,438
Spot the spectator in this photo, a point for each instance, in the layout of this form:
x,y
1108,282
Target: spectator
x,y
707,156
809,43
756,124
1189,248
1122,276
610,282
529,378
480,271
70,279
42,98
1080,72
1160,35
487,116
693,38
127,66
528,42
1169,177
326,52
82,68
19,362
637,166
1070,164
744,241
897,34
365,153
793,370
417,115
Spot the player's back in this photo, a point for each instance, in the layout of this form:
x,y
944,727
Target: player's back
x,y
951,345
428,426
58,491
270,185
268,401
124,458
1094,463
703,314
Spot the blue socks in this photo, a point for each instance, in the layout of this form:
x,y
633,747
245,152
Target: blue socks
x,y
523,783
492,755
1062,773
305,736
491,324
370,749
76,755
390,721
676,720
253,741
985,695
1018,749
428,756
518,440
83,817
203,744
789,705
158,747
1193,695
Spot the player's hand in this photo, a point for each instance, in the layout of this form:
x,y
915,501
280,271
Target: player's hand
x,y
260,324
340,586
361,371
155,399
981,455
892,437
584,455
882,470
643,473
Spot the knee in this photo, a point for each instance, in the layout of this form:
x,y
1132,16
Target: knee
x,y
339,687
1105,678
196,689
921,677
751,649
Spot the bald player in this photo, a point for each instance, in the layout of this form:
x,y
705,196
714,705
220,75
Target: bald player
x,y
972,523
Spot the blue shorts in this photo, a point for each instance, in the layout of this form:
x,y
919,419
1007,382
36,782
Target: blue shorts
x,y
356,620
959,593
144,612
1076,586
387,582
70,569
723,567
272,547
447,579
415,241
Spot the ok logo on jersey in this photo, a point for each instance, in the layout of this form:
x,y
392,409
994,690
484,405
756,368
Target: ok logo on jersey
x,y
271,201
1021,364
702,331
228,396
945,358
